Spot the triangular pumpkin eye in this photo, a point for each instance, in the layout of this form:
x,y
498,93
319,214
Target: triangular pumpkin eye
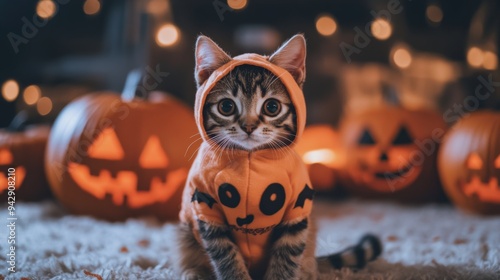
x,y
153,155
366,138
403,137
6,157
497,162
107,146
474,162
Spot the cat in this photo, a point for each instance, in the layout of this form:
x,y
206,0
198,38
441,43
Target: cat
x,y
250,112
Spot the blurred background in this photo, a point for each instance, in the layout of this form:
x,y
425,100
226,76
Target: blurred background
x,y
424,53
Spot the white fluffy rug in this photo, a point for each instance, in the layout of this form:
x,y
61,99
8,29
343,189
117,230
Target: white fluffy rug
x,y
424,242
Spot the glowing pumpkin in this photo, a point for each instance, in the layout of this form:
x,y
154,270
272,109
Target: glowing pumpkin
x,y
23,148
320,150
114,158
469,162
392,153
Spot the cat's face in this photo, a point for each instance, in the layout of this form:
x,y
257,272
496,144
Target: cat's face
x,y
250,108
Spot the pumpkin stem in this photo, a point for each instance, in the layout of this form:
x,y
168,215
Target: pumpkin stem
x,y
19,122
132,83
390,95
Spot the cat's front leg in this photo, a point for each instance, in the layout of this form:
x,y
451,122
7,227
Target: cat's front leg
x,y
289,242
224,254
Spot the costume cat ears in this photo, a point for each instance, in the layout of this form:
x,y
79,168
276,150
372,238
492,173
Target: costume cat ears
x,y
291,56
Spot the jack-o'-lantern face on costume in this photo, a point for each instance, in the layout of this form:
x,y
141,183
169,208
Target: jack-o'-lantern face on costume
x,y
115,159
469,162
391,152
23,152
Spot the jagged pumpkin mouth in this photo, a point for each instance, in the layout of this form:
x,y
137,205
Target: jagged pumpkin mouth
x,y
122,186
485,191
388,175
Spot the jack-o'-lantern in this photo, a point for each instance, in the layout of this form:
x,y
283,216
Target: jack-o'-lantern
x,y
320,150
22,149
114,158
469,162
392,153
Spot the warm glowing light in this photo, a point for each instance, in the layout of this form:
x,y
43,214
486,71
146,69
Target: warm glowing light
x,y
91,7
475,57
157,7
324,156
44,106
167,35
326,25
474,162
46,8
237,4
434,13
381,29
490,60
10,90
402,58
31,94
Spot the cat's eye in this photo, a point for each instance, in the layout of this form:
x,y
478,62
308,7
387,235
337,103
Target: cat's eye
x,y
226,107
272,107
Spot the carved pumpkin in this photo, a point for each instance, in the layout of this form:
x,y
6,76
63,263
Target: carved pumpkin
x,y
23,148
469,162
392,153
113,158
320,150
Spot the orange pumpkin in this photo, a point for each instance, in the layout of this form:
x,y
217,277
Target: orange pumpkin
x,y
469,162
114,158
23,148
320,150
392,153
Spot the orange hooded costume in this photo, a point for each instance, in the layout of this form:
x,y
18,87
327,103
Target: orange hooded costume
x,y
252,192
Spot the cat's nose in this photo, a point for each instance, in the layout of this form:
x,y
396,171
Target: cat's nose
x,y
249,128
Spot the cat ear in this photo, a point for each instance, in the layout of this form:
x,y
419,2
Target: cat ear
x,y
208,58
291,56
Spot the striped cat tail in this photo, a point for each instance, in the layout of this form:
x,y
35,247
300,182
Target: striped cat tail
x,y
367,249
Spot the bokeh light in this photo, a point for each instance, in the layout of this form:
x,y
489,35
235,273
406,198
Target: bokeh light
x,y
32,94
91,7
326,25
10,90
490,60
402,57
157,7
434,13
167,35
475,57
44,106
46,8
237,4
381,29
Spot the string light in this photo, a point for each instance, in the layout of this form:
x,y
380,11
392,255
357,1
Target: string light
x,y
475,57
91,7
10,90
237,4
326,25
167,35
46,9
434,13
44,106
490,60
31,94
381,29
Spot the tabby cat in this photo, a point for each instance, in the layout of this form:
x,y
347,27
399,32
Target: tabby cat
x,y
250,110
